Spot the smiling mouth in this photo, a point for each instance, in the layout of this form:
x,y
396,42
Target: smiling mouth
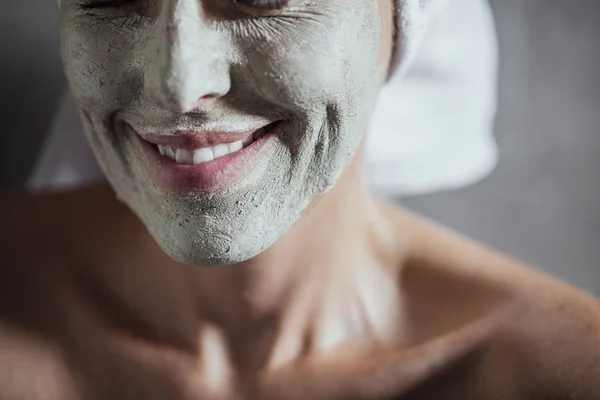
x,y
193,162
206,154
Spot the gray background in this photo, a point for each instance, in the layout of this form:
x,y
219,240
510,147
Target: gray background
x,y
540,205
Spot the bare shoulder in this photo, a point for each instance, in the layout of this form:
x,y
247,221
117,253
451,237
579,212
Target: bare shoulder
x,y
39,237
548,343
34,243
47,227
35,240
32,367
433,250
31,226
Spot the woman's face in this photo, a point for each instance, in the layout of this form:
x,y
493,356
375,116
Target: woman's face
x,y
199,79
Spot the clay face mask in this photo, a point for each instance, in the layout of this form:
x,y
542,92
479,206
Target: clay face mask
x,y
163,85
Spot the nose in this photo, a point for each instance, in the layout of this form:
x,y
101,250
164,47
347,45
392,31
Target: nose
x,y
187,67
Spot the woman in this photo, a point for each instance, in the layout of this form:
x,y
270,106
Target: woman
x,y
247,258
420,140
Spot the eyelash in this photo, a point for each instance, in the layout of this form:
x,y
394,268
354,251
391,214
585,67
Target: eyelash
x,y
129,17
262,5
99,4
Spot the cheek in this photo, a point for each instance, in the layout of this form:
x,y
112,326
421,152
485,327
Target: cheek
x,y
329,61
98,64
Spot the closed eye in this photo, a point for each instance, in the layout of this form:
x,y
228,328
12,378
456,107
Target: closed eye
x,y
263,5
121,13
94,4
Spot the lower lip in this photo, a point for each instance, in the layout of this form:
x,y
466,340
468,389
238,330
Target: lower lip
x,y
214,175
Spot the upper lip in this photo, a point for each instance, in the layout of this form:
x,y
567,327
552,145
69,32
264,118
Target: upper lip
x,y
191,140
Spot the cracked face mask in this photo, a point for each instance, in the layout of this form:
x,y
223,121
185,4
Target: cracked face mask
x,y
218,122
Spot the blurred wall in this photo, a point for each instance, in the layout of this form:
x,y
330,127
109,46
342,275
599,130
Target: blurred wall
x,y
31,81
540,205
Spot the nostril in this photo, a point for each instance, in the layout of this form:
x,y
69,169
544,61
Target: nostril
x,y
179,104
183,89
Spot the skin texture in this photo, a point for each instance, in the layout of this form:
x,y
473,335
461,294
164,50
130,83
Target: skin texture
x,y
358,300
171,65
102,314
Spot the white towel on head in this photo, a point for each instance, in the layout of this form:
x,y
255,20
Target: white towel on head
x,y
432,128
412,20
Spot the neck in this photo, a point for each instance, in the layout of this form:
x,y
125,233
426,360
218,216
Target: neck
x,y
331,238
327,270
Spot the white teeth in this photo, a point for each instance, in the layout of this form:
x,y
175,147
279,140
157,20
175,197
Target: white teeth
x,y
236,146
170,152
220,150
200,156
203,155
183,156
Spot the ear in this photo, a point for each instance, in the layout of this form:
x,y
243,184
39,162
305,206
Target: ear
x,y
412,19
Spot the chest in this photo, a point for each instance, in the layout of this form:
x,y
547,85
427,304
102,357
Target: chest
x,y
135,375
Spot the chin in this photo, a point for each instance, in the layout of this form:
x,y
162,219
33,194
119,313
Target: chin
x,y
210,232
206,251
